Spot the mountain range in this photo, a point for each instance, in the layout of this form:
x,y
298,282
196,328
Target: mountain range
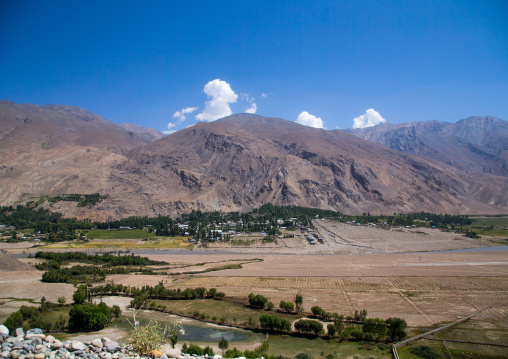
x,y
475,144
233,164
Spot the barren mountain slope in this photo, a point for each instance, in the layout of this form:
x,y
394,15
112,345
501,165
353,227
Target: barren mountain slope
x,y
53,149
476,144
27,128
237,163
243,161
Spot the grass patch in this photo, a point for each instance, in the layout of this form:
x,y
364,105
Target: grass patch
x,y
125,244
119,234
319,348
214,310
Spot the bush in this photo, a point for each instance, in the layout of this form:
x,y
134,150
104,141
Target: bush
x,y
150,337
302,356
422,351
14,321
257,301
88,317
308,326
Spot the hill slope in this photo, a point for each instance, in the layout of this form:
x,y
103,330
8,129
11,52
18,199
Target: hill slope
x,y
243,161
233,164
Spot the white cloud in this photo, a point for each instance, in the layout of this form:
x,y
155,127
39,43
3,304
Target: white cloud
x,y
171,125
180,115
168,132
370,118
220,96
252,109
307,119
265,94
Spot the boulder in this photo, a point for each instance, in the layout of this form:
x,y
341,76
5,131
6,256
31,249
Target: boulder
x,y
39,356
172,353
77,346
34,331
20,332
156,353
108,342
97,343
4,331
50,339
113,348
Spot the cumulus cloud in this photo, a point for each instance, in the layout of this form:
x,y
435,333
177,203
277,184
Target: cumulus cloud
x,y
266,94
307,119
180,115
170,131
252,109
370,118
220,96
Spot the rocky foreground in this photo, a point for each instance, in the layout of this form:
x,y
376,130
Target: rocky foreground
x,y
35,345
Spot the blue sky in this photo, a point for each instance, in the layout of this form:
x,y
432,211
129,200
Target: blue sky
x,y
141,62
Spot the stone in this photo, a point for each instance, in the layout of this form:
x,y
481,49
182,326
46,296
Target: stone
x,y
20,332
112,348
164,356
34,331
105,355
57,344
77,346
217,356
97,343
35,336
39,356
5,354
172,353
15,354
156,353
50,339
108,342
4,330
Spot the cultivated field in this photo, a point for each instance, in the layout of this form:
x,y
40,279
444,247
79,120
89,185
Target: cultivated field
x,y
387,272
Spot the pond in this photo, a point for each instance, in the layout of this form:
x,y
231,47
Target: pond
x,y
196,331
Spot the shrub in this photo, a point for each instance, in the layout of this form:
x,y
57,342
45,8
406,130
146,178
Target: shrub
x,y
257,301
152,336
422,351
302,356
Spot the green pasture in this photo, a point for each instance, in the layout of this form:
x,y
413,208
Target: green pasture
x,y
119,234
176,242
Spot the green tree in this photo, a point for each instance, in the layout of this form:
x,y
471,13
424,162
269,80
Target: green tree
x,y
88,317
223,344
61,300
14,321
396,328
286,306
298,303
331,330
257,301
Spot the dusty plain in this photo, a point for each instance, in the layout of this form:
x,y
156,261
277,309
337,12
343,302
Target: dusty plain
x,y
387,272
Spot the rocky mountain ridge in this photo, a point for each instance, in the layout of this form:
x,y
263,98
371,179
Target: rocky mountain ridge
x,y
475,144
234,164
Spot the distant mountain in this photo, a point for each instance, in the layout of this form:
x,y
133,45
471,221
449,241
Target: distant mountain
x,y
476,144
56,149
243,161
147,134
234,164
31,127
